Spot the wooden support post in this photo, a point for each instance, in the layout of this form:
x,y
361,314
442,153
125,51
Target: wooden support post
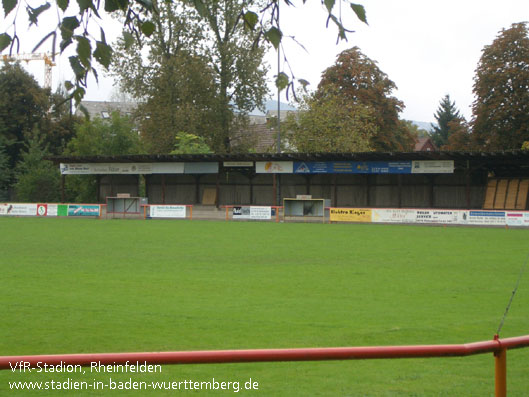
x,y
467,188
63,195
334,191
197,189
368,193
217,190
399,184
432,191
274,190
250,178
163,188
500,360
98,188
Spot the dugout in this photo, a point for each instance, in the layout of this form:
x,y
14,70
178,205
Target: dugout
x,y
469,180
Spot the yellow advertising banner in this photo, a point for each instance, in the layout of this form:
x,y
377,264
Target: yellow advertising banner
x,y
350,215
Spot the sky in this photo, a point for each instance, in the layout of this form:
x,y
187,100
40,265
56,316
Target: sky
x,y
428,48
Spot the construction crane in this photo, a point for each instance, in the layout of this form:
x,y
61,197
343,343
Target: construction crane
x,y
48,63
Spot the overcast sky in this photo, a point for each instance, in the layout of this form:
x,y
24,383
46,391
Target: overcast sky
x,y
428,48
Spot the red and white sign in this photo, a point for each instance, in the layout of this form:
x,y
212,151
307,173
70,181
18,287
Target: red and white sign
x,y
42,209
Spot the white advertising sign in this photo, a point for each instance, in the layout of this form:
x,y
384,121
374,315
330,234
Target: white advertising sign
x,y
262,213
517,218
274,167
52,210
394,216
18,209
167,211
451,217
438,216
432,167
492,218
256,213
121,168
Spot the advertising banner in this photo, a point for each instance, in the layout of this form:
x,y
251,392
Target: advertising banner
x,y
42,209
374,167
438,216
261,213
492,218
394,216
352,167
18,209
3,208
517,218
52,209
121,168
350,215
83,210
62,210
274,167
167,211
433,167
255,213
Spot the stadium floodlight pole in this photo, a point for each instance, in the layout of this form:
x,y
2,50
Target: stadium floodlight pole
x,y
278,89
276,178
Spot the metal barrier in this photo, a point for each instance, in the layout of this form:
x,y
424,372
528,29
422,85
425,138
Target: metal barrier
x,y
497,346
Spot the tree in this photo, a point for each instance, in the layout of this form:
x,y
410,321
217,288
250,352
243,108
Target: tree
x,y
73,24
501,87
114,137
37,179
205,90
190,144
173,84
445,114
98,137
359,81
58,125
238,64
5,172
459,137
330,125
23,104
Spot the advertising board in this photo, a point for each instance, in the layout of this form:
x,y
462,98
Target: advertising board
x,y
350,215
15,209
274,167
255,213
167,211
83,210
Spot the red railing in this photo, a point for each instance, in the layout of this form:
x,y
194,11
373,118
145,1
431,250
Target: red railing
x,y
497,346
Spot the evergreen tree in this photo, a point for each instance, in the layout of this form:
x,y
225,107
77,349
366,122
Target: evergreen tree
x,y
37,179
446,113
5,172
23,104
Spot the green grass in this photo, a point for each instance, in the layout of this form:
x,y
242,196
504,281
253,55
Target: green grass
x,y
76,286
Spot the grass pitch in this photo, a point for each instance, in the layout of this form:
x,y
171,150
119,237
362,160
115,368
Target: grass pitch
x,y
81,286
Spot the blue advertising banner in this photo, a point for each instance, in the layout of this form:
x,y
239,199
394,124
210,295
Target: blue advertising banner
x,y
83,210
353,167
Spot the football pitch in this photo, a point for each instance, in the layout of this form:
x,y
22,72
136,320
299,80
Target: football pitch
x,y
93,286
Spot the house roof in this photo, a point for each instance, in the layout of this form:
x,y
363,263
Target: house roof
x,y
421,143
